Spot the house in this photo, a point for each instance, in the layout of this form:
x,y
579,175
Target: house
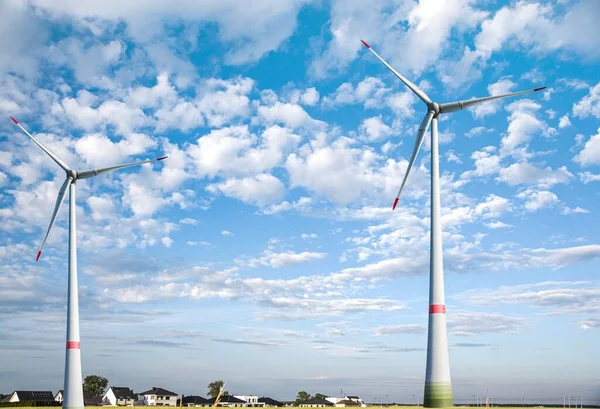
x,y
194,401
32,396
346,403
119,396
158,397
251,400
88,398
316,403
357,400
270,402
229,401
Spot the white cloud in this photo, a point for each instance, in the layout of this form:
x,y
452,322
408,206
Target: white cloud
x,y
478,130
539,27
399,329
302,204
503,86
569,210
523,124
290,115
527,173
189,220
278,260
467,323
249,33
590,154
351,21
342,173
234,150
261,189
587,324
373,129
226,233
370,92
537,200
557,297
498,225
564,121
167,241
306,236
588,105
587,177
452,157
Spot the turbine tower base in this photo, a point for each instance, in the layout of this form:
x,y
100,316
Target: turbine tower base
x,y
438,395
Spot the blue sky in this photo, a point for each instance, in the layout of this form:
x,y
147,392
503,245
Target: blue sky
x,y
264,251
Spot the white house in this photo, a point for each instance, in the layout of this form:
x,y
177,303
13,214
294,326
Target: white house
x,y
357,400
31,396
346,401
119,396
251,400
158,397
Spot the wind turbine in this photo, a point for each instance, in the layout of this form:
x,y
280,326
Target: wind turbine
x,y
438,386
73,383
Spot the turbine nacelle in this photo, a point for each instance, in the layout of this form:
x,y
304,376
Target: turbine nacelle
x,y
434,110
72,177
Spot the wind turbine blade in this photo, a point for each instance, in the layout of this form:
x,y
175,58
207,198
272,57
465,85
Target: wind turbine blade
x,y
422,130
58,160
95,172
59,201
418,91
457,106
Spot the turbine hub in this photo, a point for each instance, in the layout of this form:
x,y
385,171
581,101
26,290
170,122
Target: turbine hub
x,y
435,107
72,174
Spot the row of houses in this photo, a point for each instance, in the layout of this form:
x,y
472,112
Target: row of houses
x,y
125,396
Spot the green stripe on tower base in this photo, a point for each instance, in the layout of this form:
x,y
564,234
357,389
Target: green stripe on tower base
x,y
438,395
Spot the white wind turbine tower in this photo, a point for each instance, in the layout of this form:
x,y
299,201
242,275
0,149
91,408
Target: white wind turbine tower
x,y
73,383
438,386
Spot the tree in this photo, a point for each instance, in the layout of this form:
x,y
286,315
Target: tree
x,y
320,396
302,396
95,384
214,387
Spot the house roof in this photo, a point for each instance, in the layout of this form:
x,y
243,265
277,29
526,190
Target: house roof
x,y
352,397
270,401
37,396
348,402
123,392
227,399
6,398
316,401
195,399
91,400
158,391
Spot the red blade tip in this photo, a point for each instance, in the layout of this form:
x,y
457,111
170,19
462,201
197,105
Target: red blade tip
x,y
162,158
14,120
366,45
38,256
539,89
395,203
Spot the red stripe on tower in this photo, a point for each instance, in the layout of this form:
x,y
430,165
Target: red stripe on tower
x,y
437,309
365,44
73,345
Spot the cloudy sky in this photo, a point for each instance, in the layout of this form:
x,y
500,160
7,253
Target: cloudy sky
x,y
264,251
